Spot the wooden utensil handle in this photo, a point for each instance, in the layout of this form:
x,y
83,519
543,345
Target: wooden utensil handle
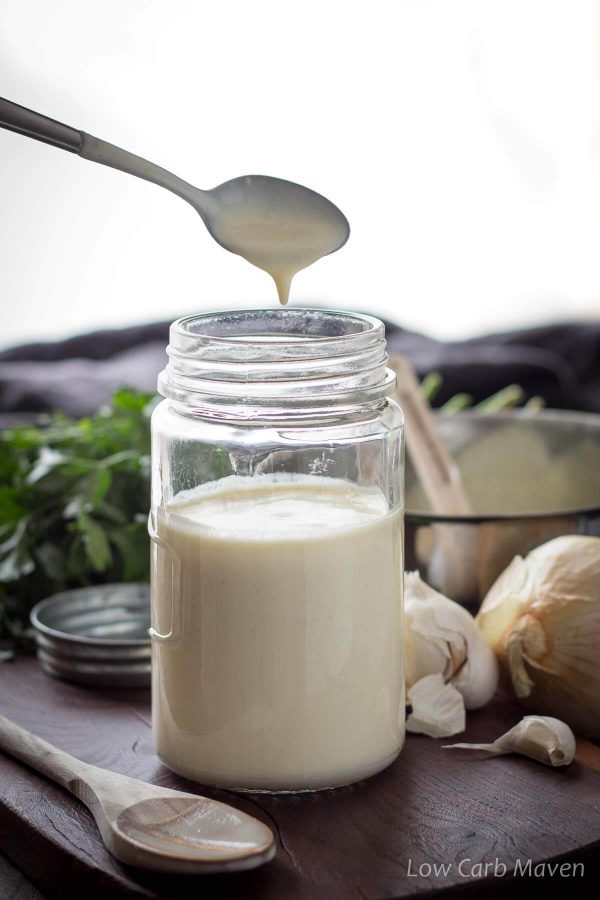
x,y
588,754
437,471
41,756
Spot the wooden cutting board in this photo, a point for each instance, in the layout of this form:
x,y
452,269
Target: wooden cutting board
x,y
430,808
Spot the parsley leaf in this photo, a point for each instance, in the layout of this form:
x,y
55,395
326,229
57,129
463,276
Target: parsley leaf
x,y
74,500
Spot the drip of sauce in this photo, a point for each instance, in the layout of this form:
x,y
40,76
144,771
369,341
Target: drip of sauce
x,y
279,226
279,244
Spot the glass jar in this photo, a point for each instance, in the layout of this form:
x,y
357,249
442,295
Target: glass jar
x,y
276,521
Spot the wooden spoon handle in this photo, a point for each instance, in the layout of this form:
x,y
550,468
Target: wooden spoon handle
x,y
588,754
41,756
437,471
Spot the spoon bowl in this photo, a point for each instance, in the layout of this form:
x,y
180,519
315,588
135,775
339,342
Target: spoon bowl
x,y
193,830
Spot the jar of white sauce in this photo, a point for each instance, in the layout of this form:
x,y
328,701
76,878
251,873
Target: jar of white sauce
x,y
277,551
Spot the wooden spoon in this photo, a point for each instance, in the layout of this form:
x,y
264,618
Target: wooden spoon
x,y
147,826
437,471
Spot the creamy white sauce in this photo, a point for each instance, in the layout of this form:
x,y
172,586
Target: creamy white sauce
x,y
281,242
285,672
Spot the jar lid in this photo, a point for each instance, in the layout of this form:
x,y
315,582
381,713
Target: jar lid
x,y
96,635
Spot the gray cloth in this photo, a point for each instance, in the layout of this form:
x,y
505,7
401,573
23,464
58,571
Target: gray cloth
x,y
559,362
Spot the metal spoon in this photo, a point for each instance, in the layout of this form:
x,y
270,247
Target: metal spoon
x,y
148,826
295,226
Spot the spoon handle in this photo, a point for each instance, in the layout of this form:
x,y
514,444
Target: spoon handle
x,y
41,756
34,125
99,151
437,471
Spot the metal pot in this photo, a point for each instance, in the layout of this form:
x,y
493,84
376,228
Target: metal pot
x,y
530,478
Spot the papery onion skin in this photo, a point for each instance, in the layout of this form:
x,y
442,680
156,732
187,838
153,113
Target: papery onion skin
x,y
542,619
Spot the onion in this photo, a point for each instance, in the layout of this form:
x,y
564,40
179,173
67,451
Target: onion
x,y
542,619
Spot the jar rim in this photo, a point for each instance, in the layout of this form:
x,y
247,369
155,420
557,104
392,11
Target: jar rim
x,y
368,326
276,358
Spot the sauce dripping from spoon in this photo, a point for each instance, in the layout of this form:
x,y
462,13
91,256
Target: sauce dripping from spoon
x,y
277,225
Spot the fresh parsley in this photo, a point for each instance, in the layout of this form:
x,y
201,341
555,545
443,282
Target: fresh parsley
x,y
74,501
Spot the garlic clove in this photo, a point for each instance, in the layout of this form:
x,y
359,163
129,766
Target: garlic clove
x,y
478,679
428,649
542,738
438,709
443,637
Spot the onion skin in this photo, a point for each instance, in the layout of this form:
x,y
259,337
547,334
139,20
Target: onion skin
x,y
542,619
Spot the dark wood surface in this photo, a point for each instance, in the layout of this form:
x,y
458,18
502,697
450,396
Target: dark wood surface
x,y
14,885
431,806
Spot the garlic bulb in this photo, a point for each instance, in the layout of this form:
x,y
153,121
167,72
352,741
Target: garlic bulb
x,y
542,619
437,708
542,738
443,637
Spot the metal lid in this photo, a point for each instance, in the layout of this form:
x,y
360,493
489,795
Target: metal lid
x,y
96,635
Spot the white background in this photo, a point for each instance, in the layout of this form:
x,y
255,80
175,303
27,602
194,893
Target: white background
x,y
460,137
